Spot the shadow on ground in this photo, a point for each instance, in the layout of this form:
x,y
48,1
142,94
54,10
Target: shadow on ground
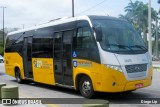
x,y
115,98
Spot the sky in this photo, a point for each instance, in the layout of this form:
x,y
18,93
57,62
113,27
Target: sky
x,y
33,12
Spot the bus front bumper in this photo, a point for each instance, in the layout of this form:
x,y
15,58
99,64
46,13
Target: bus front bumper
x,y
137,84
115,81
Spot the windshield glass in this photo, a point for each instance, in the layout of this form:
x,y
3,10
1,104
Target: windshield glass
x,y
120,36
1,56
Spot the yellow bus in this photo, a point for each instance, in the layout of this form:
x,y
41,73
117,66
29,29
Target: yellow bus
x,y
87,53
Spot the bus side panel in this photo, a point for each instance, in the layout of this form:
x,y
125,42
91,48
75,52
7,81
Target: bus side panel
x,y
13,60
43,70
92,69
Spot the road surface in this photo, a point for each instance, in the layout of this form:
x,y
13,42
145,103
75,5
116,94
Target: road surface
x,y
36,90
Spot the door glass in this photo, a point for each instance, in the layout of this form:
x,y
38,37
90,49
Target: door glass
x,y
58,58
67,36
67,61
27,57
29,47
25,40
62,58
58,45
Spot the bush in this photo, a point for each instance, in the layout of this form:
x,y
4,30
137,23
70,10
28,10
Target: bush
x,y
1,50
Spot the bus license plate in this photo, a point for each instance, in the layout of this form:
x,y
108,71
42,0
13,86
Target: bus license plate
x,y
139,85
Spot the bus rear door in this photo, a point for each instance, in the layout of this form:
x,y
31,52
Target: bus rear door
x,y
27,57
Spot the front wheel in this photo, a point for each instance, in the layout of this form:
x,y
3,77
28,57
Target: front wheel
x,y
18,76
86,87
129,92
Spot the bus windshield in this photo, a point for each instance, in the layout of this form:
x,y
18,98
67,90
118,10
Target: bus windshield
x,y
120,37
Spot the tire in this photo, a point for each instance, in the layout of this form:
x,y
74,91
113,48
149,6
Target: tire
x,y
129,92
18,76
86,87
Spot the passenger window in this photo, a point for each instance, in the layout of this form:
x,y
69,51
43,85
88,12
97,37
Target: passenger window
x,y
84,38
42,47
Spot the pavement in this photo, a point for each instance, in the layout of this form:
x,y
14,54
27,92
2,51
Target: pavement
x,y
156,65
27,105
20,96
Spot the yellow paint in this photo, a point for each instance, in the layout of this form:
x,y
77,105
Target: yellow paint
x,y
101,76
43,70
13,60
92,69
146,82
42,74
109,76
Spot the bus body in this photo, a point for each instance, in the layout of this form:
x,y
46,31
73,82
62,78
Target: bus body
x,y
86,53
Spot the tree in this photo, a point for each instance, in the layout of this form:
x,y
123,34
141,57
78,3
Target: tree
x,y
137,14
1,50
1,37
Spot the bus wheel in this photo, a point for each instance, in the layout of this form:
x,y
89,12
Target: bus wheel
x,y
86,87
128,92
18,76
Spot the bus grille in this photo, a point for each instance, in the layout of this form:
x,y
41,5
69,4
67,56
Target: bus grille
x,y
136,68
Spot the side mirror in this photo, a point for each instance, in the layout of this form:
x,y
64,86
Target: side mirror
x,y
98,31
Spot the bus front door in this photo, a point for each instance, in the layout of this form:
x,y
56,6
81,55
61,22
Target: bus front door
x,y
27,57
67,58
62,58
58,74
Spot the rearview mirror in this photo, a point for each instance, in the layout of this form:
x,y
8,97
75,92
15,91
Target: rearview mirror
x,y
98,31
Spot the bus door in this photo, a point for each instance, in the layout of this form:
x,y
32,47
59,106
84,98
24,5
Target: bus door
x,y
58,74
27,57
62,58
67,58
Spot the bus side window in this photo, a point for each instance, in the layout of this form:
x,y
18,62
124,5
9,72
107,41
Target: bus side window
x,y
84,38
85,44
42,47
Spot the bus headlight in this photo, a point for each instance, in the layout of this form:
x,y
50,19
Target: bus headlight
x,y
115,67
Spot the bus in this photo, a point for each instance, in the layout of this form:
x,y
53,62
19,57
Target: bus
x,y
86,53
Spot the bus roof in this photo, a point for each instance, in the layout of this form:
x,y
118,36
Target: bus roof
x,y
61,21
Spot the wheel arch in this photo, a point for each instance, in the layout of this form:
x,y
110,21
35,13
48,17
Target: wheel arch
x,y
78,77
15,69
20,70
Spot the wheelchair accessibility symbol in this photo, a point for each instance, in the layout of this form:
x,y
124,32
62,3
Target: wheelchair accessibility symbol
x,y
74,54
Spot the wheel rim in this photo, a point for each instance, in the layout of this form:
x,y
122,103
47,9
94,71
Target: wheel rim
x,y
86,87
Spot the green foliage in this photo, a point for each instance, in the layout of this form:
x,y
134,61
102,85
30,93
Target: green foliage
x,y
137,14
1,50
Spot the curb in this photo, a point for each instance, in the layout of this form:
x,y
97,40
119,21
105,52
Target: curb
x,y
157,69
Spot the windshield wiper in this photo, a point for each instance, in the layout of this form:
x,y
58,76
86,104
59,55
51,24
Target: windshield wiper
x,y
122,46
140,46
